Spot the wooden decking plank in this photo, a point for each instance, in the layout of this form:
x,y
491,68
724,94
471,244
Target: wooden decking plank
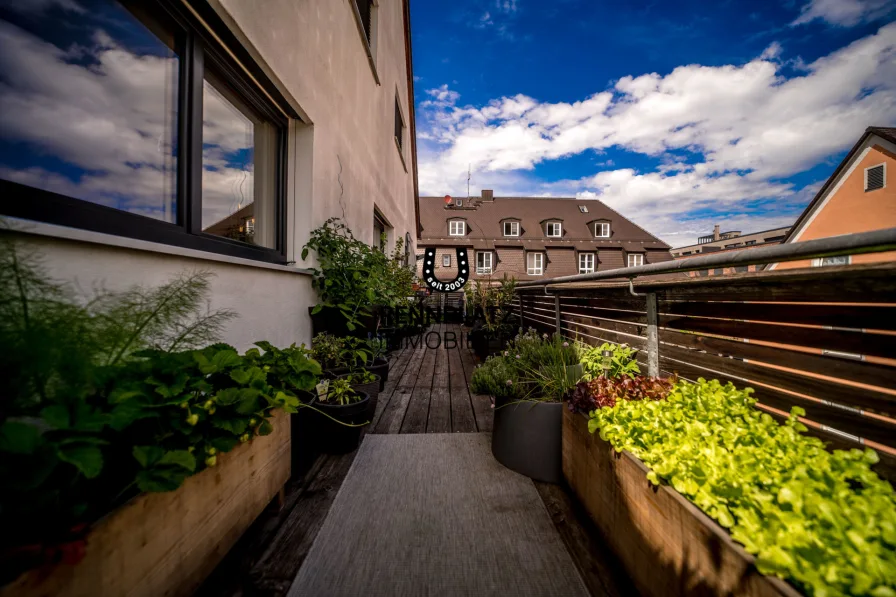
x,y
462,419
276,569
481,404
439,420
418,407
393,412
396,370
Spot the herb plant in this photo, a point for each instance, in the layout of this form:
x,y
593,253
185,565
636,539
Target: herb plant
x,y
360,376
340,391
821,519
334,352
621,361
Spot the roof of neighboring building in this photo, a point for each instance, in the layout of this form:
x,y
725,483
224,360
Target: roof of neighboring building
x,y
887,133
732,249
484,219
742,236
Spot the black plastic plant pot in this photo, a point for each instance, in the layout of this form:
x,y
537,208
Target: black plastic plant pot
x,y
380,367
303,444
334,433
526,438
372,389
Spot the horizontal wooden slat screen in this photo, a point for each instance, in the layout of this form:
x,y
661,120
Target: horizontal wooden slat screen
x,y
824,340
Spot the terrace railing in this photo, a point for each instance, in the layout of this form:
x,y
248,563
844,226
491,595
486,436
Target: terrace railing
x,y
823,339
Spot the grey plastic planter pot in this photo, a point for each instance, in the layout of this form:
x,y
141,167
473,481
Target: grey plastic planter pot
x,y
527,438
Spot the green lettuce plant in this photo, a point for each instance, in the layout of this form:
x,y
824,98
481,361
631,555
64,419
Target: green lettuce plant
x,y
621,361
823,520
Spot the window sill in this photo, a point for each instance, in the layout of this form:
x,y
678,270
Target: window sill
x,y
29,227
400,154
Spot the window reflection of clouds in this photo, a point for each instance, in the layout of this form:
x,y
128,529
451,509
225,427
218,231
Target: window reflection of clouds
x,y
90,118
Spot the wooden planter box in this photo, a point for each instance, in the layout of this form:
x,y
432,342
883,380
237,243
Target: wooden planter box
x,y
668,546
168,543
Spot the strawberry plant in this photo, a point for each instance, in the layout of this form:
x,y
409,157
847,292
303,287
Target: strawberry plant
x,y
823,520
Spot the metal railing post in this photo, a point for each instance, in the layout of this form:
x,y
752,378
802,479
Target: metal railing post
x,y
557,313
653,340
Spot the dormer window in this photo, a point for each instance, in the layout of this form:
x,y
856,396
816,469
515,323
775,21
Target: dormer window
x,y
554,229
602,230
635,259
511,228
586,263
457,228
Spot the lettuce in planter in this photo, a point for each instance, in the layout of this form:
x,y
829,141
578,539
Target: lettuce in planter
x,y
820,519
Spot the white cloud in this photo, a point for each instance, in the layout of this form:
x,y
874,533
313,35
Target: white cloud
x,y
508,6
844,13
745,127
484,21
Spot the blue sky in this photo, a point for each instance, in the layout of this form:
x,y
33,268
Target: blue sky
x,y
678,114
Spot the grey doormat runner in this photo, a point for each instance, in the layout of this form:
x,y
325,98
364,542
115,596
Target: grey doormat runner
x,y
435,514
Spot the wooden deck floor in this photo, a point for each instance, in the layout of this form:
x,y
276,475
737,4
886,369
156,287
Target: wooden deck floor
x,y
427,392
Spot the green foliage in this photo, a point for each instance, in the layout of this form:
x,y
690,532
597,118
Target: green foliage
x,y
101,400
491,301
339,391
538,367
353,276
620,363
361,376
823,520
334,352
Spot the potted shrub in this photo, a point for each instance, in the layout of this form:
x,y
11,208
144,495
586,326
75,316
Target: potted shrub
x,y
341,413
492,324
366,382
354,281
529,381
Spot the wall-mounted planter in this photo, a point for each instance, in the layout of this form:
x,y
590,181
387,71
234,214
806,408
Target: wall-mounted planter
x,y
668,546
167,543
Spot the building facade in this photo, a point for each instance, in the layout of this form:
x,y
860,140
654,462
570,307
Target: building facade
x,y
142,139
860,196
734,239
531,238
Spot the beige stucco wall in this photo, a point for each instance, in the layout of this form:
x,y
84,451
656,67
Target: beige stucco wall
x,y
850,209
313,51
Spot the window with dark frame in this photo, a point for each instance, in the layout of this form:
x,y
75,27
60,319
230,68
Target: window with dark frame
x,y
197,156
399,127
365,11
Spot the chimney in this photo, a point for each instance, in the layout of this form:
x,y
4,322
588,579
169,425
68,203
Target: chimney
x,y
488,195
715,233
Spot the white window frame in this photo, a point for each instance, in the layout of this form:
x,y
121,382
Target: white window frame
x,y
819,262
585,268
446,260
514,226
638,258
535,263
457,228
549,225
481,268
865,185
600,226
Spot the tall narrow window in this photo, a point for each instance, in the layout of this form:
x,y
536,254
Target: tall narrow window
x,y
446,260
535,264
554,229
586,263
128,118
602,229
238,166
399,127
365,13
380,231
511,228
457,228
635,259
483,262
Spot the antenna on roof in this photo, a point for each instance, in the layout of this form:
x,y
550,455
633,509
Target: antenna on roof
x,y
468,181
